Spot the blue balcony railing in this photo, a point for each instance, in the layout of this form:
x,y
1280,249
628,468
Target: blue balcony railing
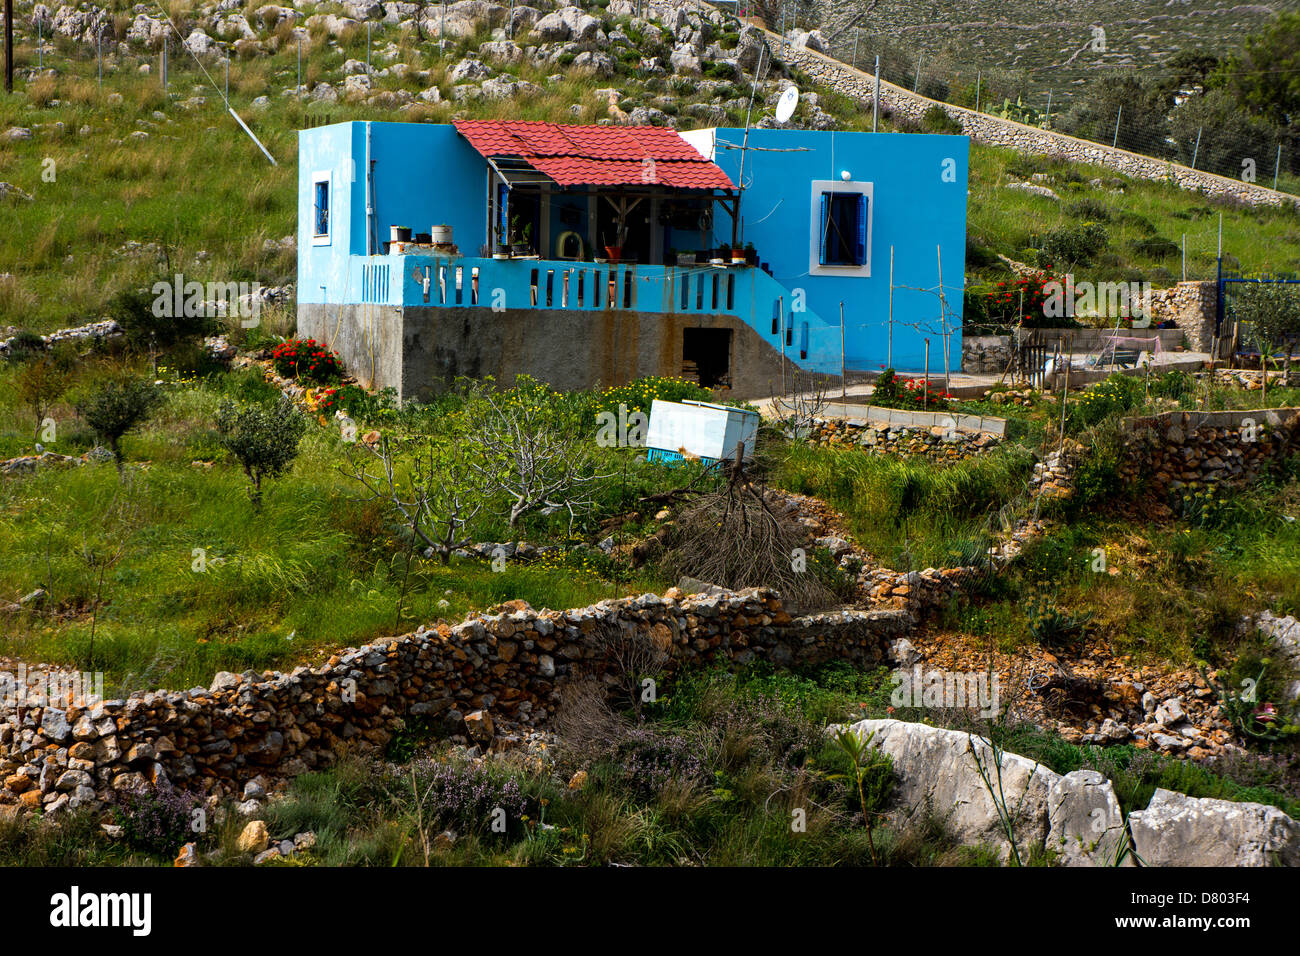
x,y
745,292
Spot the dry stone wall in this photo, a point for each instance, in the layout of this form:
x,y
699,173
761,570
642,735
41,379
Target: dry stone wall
x,y
1029,139
508,664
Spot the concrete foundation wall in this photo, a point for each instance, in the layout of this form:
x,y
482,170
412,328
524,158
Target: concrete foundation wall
x,y
419,351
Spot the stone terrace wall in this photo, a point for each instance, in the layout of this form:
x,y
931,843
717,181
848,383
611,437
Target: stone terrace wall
x,y
1000,132
509,664
1180,450
935,442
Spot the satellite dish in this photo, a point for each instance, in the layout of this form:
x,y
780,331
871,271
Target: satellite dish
x,y
786,104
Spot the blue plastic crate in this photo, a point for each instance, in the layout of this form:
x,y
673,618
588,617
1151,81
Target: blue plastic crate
x,y
671,457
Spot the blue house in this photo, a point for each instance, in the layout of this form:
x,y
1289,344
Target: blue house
x,y
592,255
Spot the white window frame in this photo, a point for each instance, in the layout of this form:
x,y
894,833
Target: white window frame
x,y
326,177
820,186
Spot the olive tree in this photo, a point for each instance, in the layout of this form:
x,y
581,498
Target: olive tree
x,y
1271,311
116,407
264,438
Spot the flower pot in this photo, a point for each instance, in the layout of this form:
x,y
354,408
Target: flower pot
x,y
441,235
502,251
686,258
519,248
399,233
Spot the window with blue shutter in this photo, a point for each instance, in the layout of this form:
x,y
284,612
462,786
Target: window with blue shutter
x,y
322,227
843,240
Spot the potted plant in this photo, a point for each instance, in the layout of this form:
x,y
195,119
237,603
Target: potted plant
x,y
519,237
737,255
614,250
399,233
686,258
502,251
751,254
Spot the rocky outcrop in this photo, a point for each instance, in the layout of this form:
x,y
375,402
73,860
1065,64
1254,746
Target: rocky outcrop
x,y
937,771
1076,817
1085,823
1178,830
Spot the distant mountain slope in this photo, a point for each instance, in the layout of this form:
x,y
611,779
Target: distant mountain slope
x,y
1051,39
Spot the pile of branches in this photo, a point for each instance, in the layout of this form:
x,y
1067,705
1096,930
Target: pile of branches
x,y
736,537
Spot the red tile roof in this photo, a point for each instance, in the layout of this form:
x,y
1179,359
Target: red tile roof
x,y
597,155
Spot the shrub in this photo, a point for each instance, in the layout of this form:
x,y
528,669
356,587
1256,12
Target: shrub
x,y
25,345
308,360
1088,209
118,406
265,440
1052,627
1154,247
134,310
156,821
1113,396
1080,244
464,796
937,120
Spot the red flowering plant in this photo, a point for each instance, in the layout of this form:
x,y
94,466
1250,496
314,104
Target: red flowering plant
x,y
1021,302
328,400
308,360
898,391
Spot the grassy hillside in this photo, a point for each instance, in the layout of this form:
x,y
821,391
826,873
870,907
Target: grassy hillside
x,y
130,183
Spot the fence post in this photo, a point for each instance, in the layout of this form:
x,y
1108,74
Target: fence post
x,y
298,91
1048,117
1118,114
367,48
916,80
1277,165
1197,149
1184,257
977,91
99,58
875,96
40,47
854,64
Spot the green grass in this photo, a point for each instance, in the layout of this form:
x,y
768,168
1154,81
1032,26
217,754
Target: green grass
x,y
315,568
909,513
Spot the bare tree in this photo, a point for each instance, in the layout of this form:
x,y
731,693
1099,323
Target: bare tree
x,y
524,452
806,403
436,492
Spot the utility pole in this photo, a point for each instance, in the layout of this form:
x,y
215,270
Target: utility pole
x,y
9,46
